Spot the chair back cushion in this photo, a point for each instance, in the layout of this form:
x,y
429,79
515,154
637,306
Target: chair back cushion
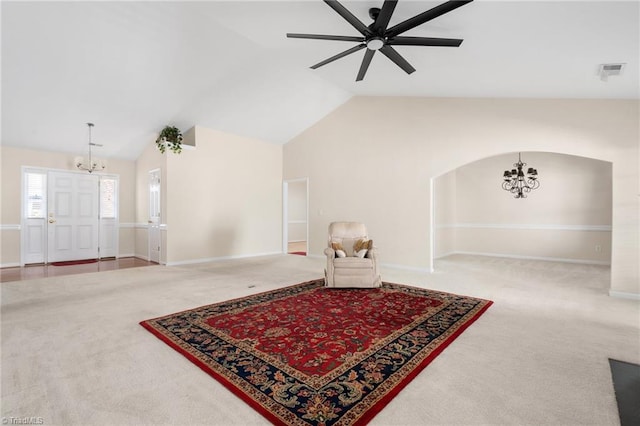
x,y
347,233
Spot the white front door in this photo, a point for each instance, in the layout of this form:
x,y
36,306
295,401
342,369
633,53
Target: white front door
x,y
154,216
73,224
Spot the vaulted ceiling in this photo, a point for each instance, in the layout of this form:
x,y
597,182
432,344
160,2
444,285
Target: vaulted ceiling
x,y
133,67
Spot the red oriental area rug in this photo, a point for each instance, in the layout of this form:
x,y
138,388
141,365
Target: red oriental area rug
x,y
310,355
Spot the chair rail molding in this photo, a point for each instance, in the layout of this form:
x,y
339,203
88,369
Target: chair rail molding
x,y
534,227
11,227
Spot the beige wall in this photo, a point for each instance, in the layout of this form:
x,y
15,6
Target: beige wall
x,y
12,161
444,214
224,198
372,160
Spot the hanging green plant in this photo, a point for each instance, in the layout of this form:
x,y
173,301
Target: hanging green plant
x,y
170,137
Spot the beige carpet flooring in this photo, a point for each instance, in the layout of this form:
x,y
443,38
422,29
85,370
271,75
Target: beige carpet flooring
x,y
73,352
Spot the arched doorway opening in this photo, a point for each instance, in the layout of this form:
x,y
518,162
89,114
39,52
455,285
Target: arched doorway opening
x,y
568,219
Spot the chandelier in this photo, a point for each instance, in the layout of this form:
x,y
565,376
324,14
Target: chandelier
x,y
517,183
93,164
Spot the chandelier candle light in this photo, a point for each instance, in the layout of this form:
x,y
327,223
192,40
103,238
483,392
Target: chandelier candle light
x,y
517,183
93,164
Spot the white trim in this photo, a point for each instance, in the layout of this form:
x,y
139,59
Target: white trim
x,y
142,225
445,255
624,295
217,259
10,265
549,259
601,228
121,255
11,227
296,221
432,224
285,216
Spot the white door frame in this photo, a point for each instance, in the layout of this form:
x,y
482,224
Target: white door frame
x,y
285,213
154,219
25,256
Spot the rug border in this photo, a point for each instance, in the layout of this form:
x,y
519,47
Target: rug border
x,y
204,367
372,411
383,402
221,379
235,299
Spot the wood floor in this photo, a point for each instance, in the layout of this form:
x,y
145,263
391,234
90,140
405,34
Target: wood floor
x,y
42,271
297,246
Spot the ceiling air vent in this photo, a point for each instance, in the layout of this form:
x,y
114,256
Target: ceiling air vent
x,y
606,70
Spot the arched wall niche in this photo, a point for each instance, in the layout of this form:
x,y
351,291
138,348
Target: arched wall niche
x,y
567,219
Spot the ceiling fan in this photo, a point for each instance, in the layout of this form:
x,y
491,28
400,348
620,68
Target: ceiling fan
x,y
378,37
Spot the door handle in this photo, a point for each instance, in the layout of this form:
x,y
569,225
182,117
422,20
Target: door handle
x,y
52,221
150,221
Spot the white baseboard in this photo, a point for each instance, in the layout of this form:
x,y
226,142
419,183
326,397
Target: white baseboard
x,y
529,227
10,265
217,259
445,255
548,259
624,295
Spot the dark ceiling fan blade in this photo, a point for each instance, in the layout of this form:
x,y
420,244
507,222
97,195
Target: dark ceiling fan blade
x,y
392,54
349,17
339,55
383,18
325,37
425,16
425,41
365,64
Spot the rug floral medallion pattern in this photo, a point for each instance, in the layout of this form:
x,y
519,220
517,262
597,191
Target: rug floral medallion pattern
x,y
310,355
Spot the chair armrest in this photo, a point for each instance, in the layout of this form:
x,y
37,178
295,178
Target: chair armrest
x,y
372,253
331,253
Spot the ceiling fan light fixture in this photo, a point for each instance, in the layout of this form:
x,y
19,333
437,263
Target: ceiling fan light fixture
x,y
375,43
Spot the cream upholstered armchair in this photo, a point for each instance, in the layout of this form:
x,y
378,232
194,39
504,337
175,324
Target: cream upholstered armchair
x,y
352,261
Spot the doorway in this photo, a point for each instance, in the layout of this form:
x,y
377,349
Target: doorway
x,y
73,223
295,216
68,216
568,219
154,216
